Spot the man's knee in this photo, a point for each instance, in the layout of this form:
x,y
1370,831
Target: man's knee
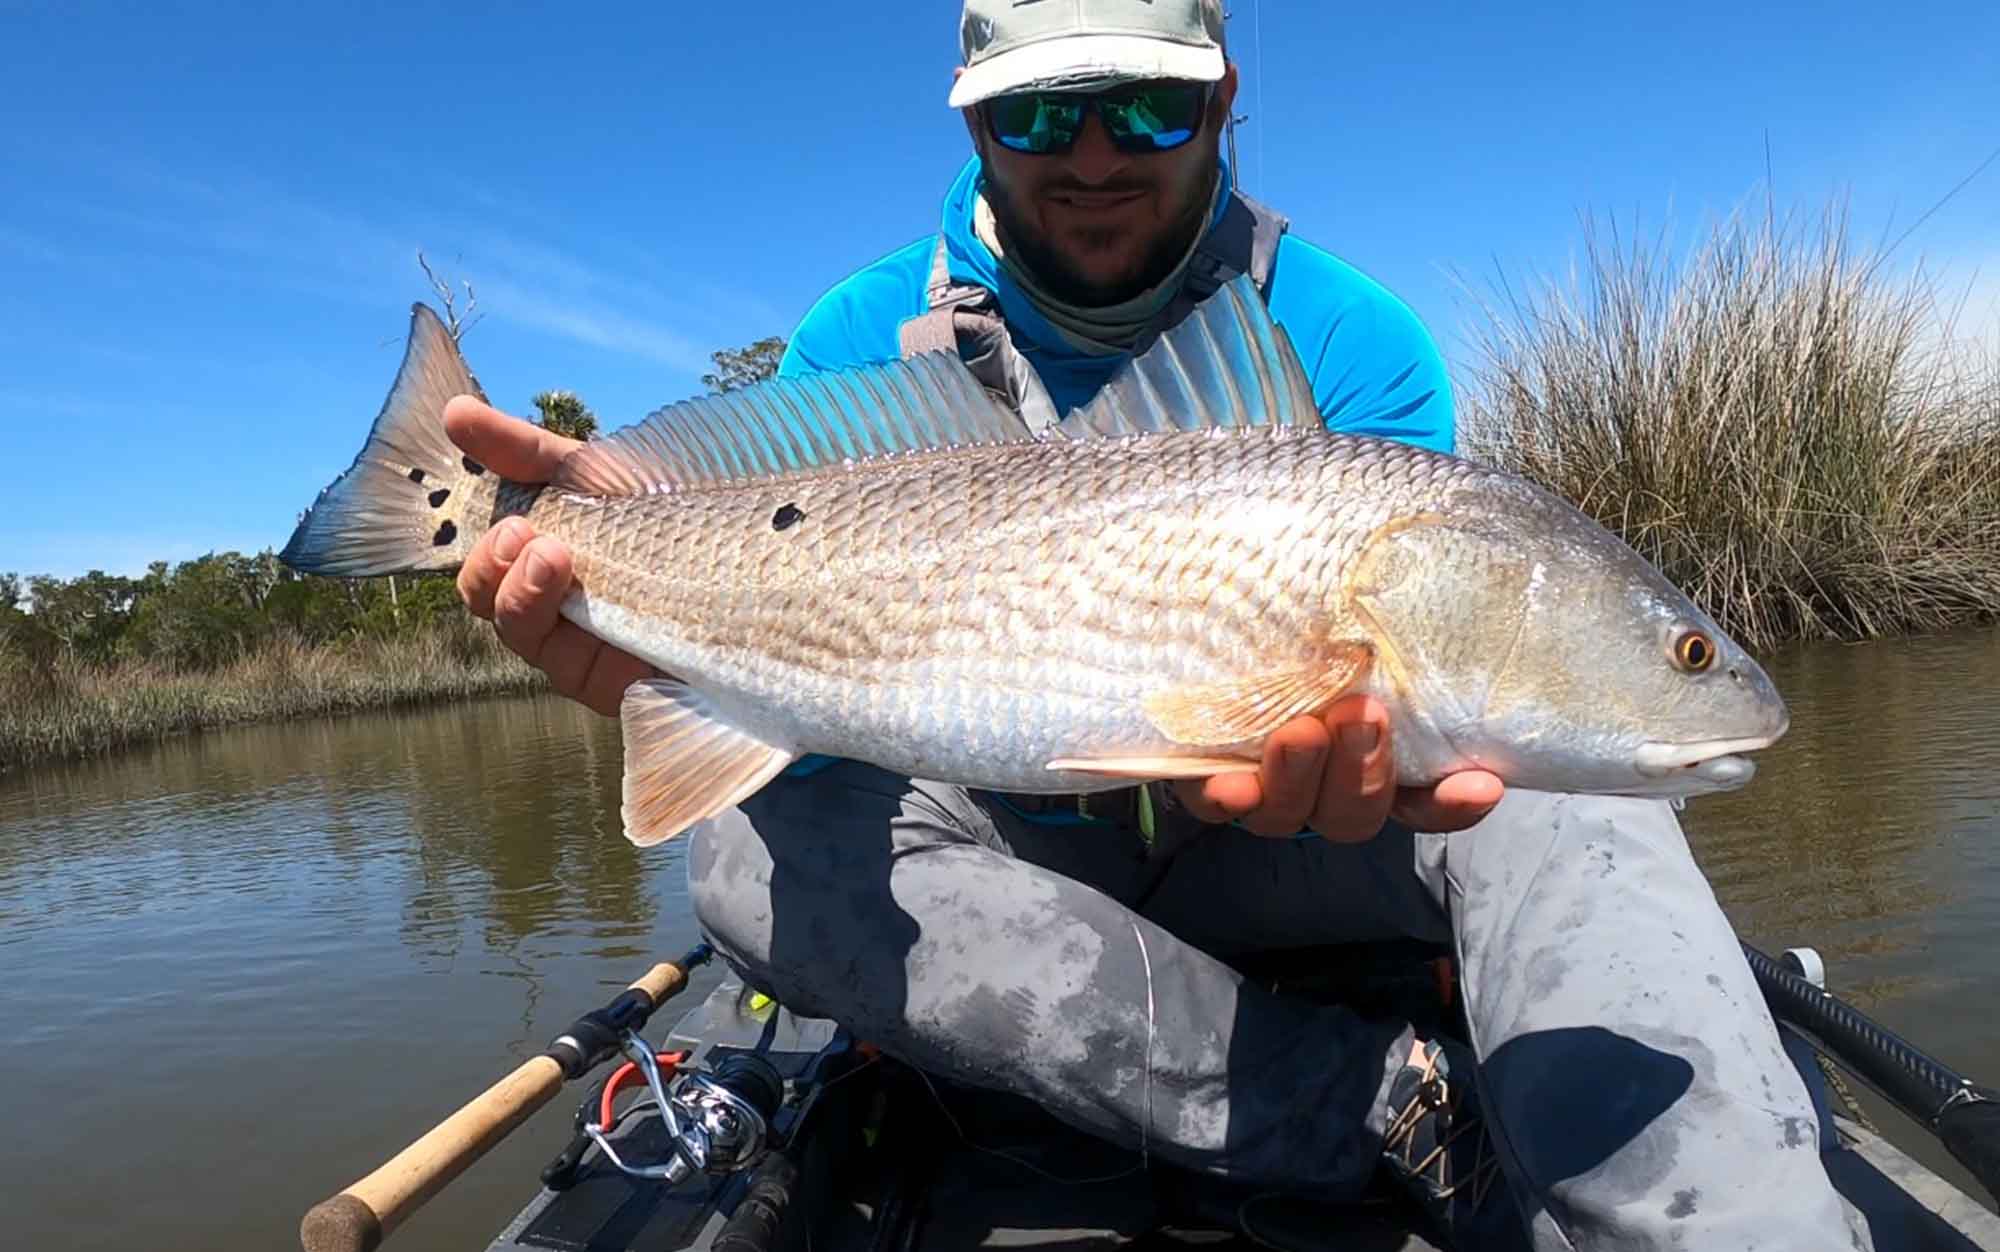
x,y
819,845
729,877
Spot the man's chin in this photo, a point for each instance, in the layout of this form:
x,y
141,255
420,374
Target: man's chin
x,y
1102,276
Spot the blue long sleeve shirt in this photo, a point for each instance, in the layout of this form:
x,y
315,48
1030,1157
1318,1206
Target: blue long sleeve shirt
x,y
1374,368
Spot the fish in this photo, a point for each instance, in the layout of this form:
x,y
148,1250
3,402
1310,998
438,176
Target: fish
x,y
886,564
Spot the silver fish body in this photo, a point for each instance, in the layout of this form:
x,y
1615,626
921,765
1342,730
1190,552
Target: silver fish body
x,y
1147,591
976,614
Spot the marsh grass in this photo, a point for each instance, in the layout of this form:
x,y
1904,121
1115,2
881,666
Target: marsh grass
x,y
70,708
1779,422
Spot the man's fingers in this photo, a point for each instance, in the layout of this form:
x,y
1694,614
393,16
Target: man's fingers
x,y
1358,787
1295,757
487,564
1349,776
524,608
611,671
588,670
1221,797
566,655
510,447
1458,802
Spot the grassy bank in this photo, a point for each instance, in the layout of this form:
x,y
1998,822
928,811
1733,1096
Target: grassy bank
x,y
72,708
1777,420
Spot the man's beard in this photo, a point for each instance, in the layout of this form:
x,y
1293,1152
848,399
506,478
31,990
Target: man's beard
x,y
1062,279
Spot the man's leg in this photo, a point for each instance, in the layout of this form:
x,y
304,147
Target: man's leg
x,y
1002,952
1629,1069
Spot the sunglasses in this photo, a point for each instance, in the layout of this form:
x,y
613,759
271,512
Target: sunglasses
x,y
1149,117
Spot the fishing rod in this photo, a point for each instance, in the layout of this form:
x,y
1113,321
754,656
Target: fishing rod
x,y
1963,1115
360,1217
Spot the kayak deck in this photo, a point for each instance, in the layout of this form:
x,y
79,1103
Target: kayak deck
x,y
878,1157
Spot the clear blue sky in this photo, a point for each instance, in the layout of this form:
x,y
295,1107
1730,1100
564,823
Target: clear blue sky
x,y
209,213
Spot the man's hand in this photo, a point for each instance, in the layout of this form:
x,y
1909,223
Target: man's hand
x,y
1335,774
518,580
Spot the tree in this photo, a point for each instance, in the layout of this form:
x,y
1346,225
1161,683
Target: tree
x,y
740,367
84,616
202,613
565,413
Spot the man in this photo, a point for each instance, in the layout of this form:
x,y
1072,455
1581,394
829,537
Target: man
x,y
1629,1088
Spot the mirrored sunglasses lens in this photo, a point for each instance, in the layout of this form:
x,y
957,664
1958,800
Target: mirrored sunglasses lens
x,y
1033,123
1160,117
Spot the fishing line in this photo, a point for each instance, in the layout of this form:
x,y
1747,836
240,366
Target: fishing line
x,y
1146,1126
1009,1157
1257,24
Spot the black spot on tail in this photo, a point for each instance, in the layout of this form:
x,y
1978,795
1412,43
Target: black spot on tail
x,y
472,467
445,534
416,475
439,496
786,517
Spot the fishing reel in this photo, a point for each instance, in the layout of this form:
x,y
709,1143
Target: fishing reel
x,y
715,1122
725,1117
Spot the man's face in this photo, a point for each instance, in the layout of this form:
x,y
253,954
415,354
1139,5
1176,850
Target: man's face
x,y
1095,225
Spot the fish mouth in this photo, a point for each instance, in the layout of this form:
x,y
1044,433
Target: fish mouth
x,y
1712,761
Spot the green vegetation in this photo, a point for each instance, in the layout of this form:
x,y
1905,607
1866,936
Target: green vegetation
x,y
565,414
1783,426
740,367
100,661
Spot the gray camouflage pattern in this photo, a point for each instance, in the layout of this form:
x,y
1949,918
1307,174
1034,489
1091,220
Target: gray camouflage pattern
x,y
1637,1089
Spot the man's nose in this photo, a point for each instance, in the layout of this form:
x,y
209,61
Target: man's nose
x,y
1095,158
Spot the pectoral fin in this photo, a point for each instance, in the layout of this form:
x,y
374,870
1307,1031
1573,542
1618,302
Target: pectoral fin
x,y
683,763
1212,714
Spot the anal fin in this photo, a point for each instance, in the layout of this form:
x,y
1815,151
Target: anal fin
x,y
1213,714
683,763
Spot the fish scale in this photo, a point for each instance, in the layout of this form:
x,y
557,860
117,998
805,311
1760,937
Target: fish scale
x,y
1175,558
885,564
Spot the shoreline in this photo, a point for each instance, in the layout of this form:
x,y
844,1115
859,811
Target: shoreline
x,y
73,711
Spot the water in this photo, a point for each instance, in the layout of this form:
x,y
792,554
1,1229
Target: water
x,y
240,970
236,972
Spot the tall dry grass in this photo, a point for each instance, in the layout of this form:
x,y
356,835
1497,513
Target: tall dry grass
x,y
1780,421
73,709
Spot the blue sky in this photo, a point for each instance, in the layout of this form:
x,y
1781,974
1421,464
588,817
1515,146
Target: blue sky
x,y
209,213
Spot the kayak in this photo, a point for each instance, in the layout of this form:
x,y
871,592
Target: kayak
x,y
787,1134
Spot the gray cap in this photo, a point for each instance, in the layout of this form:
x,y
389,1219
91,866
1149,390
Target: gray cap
x,y
1068,45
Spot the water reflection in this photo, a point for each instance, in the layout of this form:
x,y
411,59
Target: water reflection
x,y
501,819
1869,829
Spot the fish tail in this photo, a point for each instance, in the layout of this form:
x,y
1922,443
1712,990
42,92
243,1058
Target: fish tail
x,y
412,501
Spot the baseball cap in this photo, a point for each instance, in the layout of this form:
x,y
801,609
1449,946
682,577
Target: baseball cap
x,y
1074,45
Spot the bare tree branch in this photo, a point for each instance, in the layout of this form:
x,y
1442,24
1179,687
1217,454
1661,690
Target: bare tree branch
x,y
454,322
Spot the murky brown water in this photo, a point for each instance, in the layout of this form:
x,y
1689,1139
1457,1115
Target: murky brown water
x,y
237,971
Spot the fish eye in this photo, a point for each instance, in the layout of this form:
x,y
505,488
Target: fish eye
x,y
1694,651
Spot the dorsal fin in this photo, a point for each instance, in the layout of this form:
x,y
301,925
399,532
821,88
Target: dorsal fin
x,y
786,425
1226,364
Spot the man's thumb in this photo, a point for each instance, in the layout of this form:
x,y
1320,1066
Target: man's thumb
x,y
510,447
